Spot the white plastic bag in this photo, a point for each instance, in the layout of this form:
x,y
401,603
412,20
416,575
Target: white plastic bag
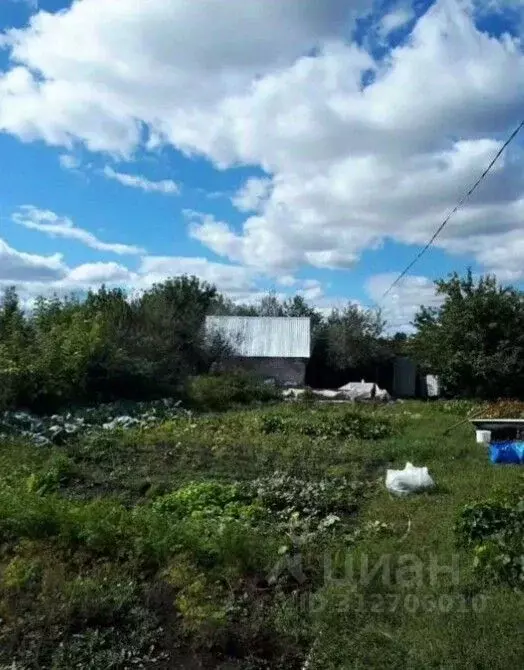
x,y
408,480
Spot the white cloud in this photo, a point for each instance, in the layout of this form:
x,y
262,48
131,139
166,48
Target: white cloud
x,y
487,7
69,162
396,19
252,195
403,302
106,66
228,278
35,275
18,266
286,280
349,165
312,290
94,274
214,234
166,186
51,224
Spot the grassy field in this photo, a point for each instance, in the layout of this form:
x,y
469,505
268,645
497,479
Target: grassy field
x,y
257,539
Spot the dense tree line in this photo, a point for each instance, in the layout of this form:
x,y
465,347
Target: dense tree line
x,y
475,340
109,346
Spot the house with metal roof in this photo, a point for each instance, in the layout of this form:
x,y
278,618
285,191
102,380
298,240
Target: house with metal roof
x,y
276,347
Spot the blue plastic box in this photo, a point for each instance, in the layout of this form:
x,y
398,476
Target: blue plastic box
x,y
511,451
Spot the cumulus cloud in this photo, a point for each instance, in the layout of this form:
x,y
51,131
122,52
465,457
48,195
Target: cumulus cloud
x,y
18,266
357,150
35,275
228,278
312,290
166,186
94,274
251,196
397,18
286,280
46,221
403,302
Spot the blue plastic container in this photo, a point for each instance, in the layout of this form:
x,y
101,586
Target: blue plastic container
x,y
509,452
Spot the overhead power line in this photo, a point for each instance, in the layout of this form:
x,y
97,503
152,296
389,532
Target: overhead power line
x,y
455,209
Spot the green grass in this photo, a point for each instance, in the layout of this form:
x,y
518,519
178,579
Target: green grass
x,y
114,554
395,626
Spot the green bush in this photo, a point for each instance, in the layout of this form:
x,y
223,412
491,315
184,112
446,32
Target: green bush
x,y
495,532
222,391
102,596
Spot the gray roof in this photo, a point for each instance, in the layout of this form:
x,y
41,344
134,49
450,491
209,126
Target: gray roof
x,y
264,336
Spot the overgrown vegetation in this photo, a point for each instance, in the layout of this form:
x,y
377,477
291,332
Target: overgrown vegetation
x,y
475,339
154,535
495,532
109,347
211,541
321,424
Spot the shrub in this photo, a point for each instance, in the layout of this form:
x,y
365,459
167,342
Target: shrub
x,y
221,391
102,596
495,531
199,599
25,514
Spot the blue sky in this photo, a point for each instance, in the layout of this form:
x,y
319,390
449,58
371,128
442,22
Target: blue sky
x,y
297,147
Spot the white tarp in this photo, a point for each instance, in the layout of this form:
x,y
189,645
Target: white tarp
x,y
363,390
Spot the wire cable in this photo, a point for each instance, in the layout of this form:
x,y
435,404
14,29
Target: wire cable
x,y
455,209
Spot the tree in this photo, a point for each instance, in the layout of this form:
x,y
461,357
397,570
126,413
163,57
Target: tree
x,y
297,306
270,305
475,340
352,336
169,322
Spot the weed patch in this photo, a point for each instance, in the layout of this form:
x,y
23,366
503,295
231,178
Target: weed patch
x,y
223,541
495,532
322,425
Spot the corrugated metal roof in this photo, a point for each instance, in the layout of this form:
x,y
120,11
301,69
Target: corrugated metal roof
x,y
264,336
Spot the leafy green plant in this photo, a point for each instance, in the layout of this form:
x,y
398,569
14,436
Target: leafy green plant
x,y
349,425
495,532
102,596
56,473
209,500
20,572
305,506
135,642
